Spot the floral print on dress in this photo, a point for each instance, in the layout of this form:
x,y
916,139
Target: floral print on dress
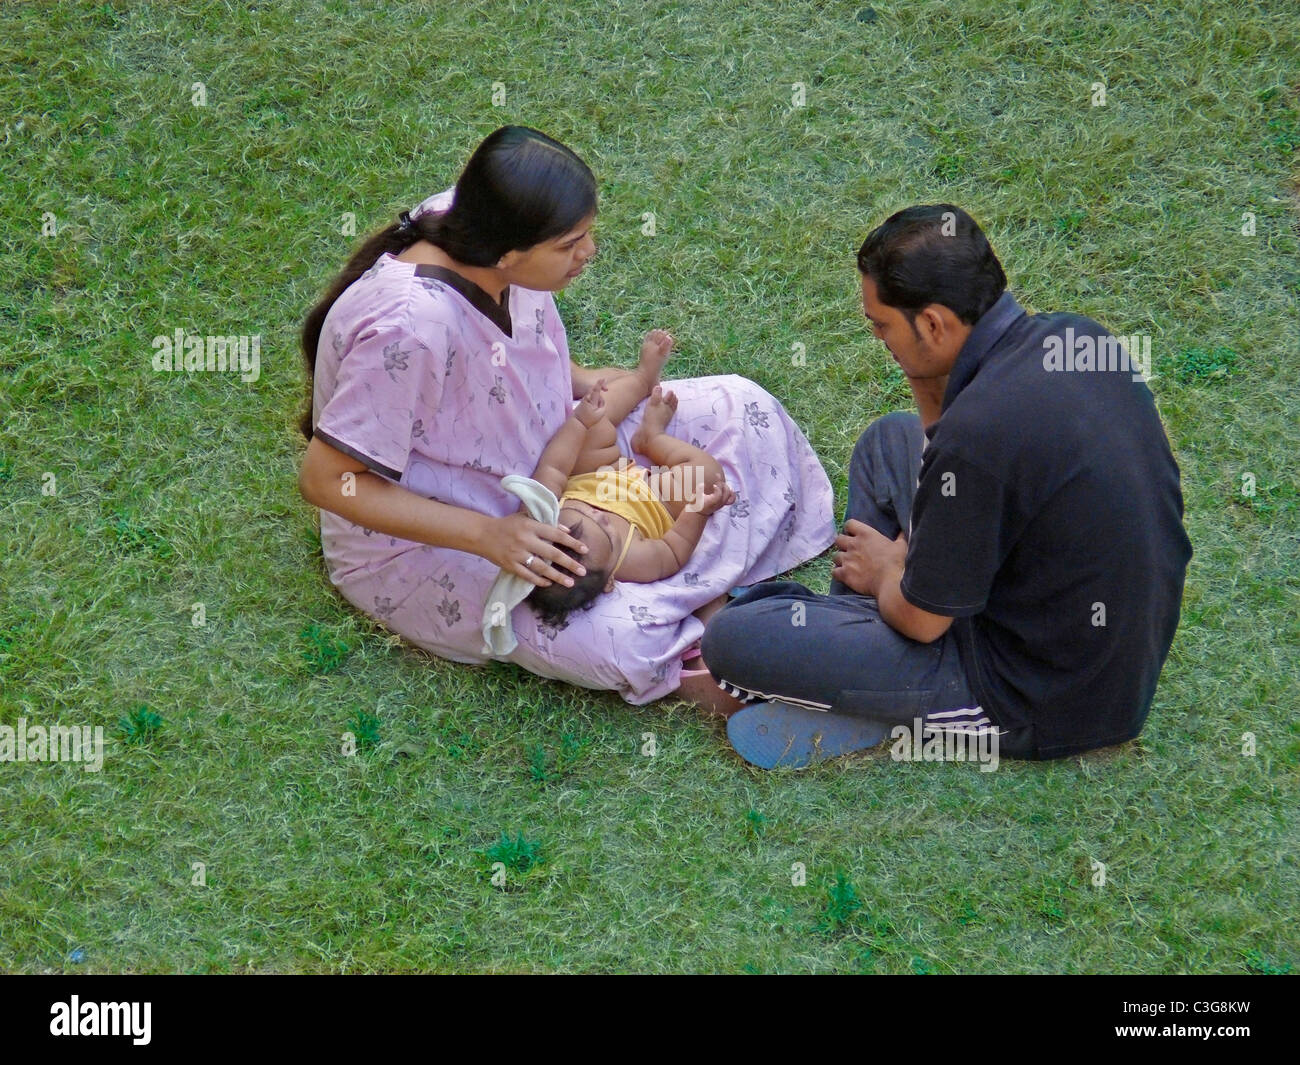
x,y
550,631
642,616
395,359
450,610
439,425
755,417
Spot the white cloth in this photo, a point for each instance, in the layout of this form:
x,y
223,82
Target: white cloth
x,y
509,589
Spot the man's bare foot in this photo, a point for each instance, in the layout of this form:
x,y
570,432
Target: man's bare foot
x,y
659,411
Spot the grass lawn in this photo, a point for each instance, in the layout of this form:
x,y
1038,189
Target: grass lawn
x,y
128,496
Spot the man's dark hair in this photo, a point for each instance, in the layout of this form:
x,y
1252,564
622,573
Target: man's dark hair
x,y
933,254
555,602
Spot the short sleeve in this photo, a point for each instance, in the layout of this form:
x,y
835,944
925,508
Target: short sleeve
x,y
383,381
555,328
958,540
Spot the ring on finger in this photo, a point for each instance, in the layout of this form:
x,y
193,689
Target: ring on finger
x,y
528,562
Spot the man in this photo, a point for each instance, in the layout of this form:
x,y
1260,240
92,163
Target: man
x,y
1012,560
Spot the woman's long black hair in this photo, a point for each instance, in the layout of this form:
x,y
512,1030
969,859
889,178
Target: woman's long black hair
x,y
518,189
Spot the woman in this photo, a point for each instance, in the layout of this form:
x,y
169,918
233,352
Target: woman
x,y
439,365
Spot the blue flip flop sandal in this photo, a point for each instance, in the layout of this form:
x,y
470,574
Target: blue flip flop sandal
x,y
773,734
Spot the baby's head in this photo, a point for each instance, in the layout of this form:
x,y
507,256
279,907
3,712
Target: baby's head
x,y
556,601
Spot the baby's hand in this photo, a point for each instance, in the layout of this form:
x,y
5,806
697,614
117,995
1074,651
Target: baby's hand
x,y
719,496
592,407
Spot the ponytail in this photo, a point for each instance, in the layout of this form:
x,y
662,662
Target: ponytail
x,y
519,188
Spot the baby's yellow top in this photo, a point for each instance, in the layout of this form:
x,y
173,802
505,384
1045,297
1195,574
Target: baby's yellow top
x,y
625,493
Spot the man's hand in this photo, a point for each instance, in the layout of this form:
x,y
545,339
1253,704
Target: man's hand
x,y
865,558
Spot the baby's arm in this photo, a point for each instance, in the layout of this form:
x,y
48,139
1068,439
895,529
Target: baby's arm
x,y
559,456
653,560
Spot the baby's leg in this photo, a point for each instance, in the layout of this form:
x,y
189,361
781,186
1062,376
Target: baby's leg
x,y
624,393
600,448
686,469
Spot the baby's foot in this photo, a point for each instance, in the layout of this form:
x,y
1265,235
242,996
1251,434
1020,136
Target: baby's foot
x,y
654,353
659,411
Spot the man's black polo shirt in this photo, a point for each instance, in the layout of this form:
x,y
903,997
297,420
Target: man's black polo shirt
x,y
1048,522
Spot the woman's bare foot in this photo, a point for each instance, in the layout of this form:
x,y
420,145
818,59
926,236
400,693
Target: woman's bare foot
x,y
710,608
659,411
703,692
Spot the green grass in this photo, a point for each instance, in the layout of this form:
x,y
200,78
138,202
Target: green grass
x,y
172,490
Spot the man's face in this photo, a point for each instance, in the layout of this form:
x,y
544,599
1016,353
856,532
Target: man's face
x,y
552,264
907,343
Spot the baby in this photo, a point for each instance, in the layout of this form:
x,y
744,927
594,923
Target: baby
x,y
639,524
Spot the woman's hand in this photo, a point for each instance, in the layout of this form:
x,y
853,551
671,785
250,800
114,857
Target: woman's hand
x,y
527,548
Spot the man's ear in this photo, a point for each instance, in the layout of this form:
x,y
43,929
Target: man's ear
x,y
931,324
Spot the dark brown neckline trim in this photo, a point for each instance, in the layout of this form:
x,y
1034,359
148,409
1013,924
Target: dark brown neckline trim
x,y
496,313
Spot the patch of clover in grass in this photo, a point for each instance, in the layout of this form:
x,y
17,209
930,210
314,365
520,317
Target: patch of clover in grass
x,y
139,725
1283,128
519,854
365,728
12,638
1070,221
322,652
1052,910
1268,499
948,166
756,822
1196,364
539,761
1258,965
842,903
131,535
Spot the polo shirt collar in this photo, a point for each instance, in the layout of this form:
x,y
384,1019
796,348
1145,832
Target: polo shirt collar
x,y
987,332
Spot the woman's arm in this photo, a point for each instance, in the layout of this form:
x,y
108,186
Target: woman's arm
x,y
376,503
